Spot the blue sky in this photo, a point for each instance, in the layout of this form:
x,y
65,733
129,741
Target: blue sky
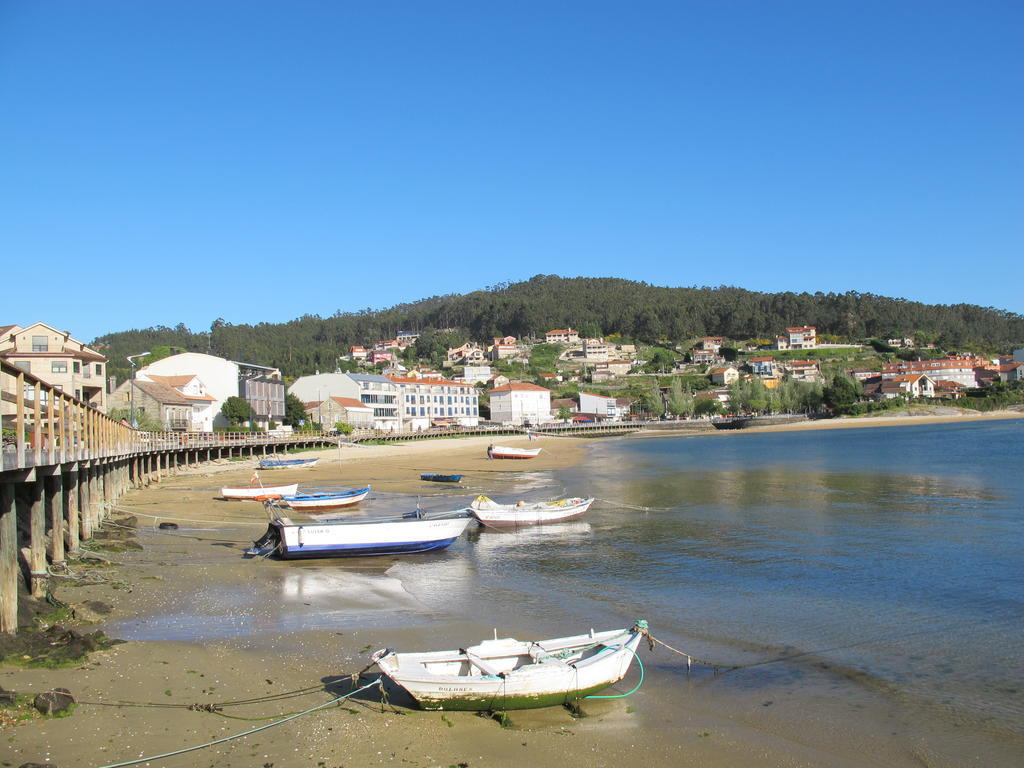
x,y
166,162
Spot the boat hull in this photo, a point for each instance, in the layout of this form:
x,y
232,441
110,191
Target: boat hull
x,y
495,515
321,501
287,463
503,682
503,452
435,478
357,538
259,493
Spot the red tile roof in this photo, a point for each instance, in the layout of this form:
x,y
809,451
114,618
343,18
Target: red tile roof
x,y
519,386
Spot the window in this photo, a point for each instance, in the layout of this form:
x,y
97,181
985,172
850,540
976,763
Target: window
x,y
99,369
76,367
25,365
59,367
40,344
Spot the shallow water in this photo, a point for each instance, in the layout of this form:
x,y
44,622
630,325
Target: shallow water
x,y
873,579
892,558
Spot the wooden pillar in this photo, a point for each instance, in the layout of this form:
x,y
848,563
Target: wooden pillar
x,y
8,560
84,531
37,540
89,510
55,504
71,491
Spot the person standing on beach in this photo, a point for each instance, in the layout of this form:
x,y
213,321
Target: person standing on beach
x,y
490,451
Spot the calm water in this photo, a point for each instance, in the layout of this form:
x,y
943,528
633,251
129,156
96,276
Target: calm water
x,y
892,555
873,577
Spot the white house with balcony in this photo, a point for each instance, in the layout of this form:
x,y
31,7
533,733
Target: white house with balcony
x,y
520,402
427,402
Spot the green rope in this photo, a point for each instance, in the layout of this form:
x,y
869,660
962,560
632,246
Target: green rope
x,y
635,689
245,733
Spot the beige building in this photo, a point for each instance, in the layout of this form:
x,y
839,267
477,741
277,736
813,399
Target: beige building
x,y
58,359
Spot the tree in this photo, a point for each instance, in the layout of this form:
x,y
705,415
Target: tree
x,y
236,410
680,401
294,410
842,393
147,421
564,414
662,360
708,406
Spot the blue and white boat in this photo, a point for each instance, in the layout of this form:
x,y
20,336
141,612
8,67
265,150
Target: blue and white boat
x,y
326,499
356,537
287,463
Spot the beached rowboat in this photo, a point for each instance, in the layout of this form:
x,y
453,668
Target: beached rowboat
x,y
353,537
496,515
326,499
287,463
259,492
504,452
504,673
436,478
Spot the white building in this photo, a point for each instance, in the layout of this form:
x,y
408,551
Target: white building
x,y
433,402
260,385
476,374
520,403
377,392
600,407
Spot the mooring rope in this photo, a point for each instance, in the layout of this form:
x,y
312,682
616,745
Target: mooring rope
x,y
245,733
624,505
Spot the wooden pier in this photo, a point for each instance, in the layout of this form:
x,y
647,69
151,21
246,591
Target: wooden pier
x,y
65,464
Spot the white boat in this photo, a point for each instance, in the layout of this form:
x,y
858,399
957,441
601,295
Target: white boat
x,y
504,452
505,673
496,515
354,537
287,463
325,499
259,492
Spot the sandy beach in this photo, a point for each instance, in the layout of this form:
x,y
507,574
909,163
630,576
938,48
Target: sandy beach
x,y
261,658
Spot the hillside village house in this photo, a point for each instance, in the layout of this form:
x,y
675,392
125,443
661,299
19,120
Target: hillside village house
x,y
436,402
601,407
610,370
596,349
407,337
333,410
520,403
711,343
725,376
505,348
58,359
466,354
803,370
357,353
381,356
797,337
562,336
762,366
963,369
907,385
705,357
475,374
259,385
1011,371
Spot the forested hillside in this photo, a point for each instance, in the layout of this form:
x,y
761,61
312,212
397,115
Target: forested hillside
x,y
595,306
